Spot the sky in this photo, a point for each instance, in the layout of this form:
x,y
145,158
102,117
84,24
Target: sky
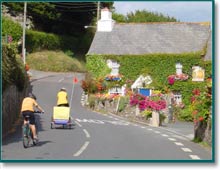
x,y
192,11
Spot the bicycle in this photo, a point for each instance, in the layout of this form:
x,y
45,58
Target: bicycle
x,y
27,133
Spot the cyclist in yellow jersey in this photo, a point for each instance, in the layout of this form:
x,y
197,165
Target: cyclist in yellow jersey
x,y
62,98
27,109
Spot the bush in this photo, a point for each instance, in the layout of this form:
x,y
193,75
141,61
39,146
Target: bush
x,y
97,66
11,28
13,72
91,100
124,100
36,41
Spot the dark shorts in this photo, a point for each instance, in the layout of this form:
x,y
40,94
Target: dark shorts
x,y
31,118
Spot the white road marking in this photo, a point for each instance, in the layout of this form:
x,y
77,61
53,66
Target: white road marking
x,y
90,121
194,157
123,123
87,133
165,135
178,143
61,80
157,132
186,149
78,124
82,149
143,127
179,137
172,139
149,129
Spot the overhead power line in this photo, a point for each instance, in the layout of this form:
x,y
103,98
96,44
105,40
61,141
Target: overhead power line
x,y
68,6
77,10
74,3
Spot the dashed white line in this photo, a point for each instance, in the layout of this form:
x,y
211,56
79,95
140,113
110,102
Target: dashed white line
x,y
149,129
186,149
78,124
61,80
172,139
87,133
178,143
82,149
165,135
157,132
194,157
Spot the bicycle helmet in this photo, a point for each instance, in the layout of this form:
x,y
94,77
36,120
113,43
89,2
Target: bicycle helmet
x,y
63,89
31,95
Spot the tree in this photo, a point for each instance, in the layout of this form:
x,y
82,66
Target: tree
x,y
140,16
119,17
63,18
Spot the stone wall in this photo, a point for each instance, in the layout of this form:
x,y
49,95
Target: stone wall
x,y
11,105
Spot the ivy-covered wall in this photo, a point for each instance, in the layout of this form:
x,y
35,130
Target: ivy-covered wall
x,y
14,86
159,67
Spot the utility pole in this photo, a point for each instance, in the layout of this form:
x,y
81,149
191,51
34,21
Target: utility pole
x,y
98,10
23,39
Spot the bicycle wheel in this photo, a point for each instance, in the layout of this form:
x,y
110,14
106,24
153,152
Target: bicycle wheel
x,y
26,136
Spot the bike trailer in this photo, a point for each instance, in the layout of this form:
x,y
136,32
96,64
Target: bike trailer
x,y
61,116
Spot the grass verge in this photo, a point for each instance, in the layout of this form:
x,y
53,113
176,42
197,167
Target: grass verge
x,y
55,61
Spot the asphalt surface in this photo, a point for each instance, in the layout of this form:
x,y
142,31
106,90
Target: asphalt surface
x,y
97,136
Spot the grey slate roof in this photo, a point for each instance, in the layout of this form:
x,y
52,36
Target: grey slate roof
x,y
208,55
148,38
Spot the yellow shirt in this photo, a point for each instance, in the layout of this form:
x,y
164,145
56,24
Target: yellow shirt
x,y
28,104
62,98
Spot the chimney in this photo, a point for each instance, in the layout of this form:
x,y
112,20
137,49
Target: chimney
x,y
105,24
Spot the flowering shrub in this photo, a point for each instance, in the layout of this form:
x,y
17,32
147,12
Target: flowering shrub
x,y
171,79
200,105
113,77
152,102
182,77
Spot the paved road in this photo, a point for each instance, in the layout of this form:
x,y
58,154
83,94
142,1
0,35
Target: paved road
x,y
95,136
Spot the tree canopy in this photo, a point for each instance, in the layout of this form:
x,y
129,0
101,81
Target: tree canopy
x,y
142,16
62,18
59,17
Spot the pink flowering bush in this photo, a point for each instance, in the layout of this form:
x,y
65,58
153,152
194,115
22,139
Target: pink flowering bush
x,y
171,79
151,102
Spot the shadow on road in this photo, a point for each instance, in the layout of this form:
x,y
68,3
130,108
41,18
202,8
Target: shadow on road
x,y
40,143
36,79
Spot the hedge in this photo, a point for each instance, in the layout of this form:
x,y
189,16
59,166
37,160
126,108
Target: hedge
x,y
13,72
11,28
36,41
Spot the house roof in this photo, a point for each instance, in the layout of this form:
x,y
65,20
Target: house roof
x,y
147,38
208,55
